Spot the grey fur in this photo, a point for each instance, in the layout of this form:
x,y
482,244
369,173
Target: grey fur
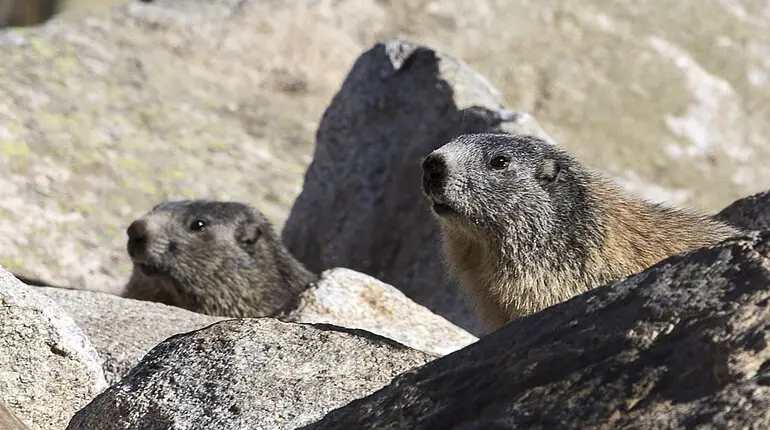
x,y
543,227
236,266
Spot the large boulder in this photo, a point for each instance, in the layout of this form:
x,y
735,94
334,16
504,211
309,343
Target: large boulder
x,y
351,299
248,373
48,367
8,420
683,344
361,205
124,330
751,213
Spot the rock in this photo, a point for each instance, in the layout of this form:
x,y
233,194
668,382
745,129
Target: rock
x,y
361,205
751,213
248,373
8,420
48,367
346,298
683,344
124,330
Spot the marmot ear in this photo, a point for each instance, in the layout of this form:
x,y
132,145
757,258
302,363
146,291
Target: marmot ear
x,y
548,172
248,233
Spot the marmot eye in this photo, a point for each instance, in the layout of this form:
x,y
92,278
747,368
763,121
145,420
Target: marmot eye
x,y
499,162
198,225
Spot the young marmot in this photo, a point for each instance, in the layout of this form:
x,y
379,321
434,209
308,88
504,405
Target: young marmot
x,y
212,257
525,225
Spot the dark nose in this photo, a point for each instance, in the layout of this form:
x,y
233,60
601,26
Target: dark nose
x,y
137,236
433,171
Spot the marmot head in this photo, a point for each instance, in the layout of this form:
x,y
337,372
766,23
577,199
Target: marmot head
x,y
214,255
515,190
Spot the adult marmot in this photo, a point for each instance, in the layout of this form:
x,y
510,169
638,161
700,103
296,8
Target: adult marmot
x,y
525,225
212,257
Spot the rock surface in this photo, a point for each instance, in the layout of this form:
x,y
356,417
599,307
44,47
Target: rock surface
x,y
48,368
751,213
124,330
682,345
350,299
361,205
248,373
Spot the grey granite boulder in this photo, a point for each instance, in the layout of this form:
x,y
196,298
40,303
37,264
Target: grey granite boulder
x,y
361,205
48,367
683,344
124,330
354,300
248,374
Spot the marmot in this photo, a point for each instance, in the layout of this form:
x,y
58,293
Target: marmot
x,y
212,257
525,225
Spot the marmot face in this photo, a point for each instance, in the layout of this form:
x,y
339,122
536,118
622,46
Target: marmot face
x,y
516,189
213,257
193,239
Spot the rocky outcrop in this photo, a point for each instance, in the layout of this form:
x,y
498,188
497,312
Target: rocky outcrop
x,y
108,111
751,213
248,373
681,345
347,298
48,368
361,205
124,330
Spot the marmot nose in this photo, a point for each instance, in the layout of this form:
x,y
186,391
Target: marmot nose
x,y
137,236
433,171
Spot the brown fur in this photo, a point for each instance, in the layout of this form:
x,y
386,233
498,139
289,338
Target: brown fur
x,y
514,260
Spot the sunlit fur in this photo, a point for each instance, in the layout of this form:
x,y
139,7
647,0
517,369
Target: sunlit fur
x,y
519,245
220,270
